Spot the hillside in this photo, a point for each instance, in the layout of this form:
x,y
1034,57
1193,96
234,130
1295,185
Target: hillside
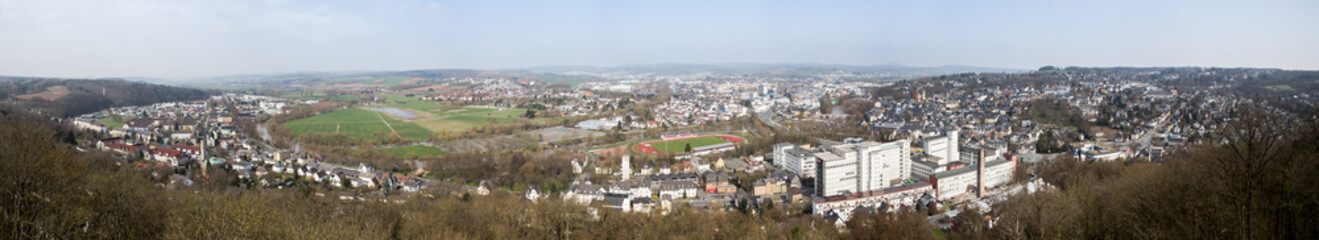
x,y
72,97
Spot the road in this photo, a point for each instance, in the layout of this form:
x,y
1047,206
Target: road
x,y
768,118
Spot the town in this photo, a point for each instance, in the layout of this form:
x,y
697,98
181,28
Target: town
x,y
941,145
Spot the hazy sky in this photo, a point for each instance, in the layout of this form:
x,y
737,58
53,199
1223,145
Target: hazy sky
x,y
192,38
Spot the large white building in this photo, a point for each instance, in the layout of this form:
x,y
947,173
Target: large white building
x,y
866,166
996,171
837,175
794,159
943,149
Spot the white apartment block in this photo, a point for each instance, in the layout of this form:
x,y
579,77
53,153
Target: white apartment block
x,y
837,175
865,166
944,149
794,159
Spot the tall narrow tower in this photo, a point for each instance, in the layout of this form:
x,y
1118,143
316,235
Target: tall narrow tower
x,y
980,174
203,160
627,167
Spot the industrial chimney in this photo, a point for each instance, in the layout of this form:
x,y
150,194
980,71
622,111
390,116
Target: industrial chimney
x,y
980,174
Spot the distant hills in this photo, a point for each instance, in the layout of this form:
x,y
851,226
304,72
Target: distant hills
x,y
577,74
72,97
780,69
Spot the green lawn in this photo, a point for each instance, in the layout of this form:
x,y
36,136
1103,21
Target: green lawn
x,y
680,146
110,123
356,123
413,151
1278,88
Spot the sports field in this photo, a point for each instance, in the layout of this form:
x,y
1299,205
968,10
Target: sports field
x,y
680,146
356,123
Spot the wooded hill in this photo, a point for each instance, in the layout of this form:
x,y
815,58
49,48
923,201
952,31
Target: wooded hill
x,y
73,97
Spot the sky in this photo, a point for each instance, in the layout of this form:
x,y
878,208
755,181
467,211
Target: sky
x,y
200,38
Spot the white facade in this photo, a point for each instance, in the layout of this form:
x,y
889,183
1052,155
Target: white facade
x,y
837,175
794,159
999,172
872,166
944,149
960,181
627,167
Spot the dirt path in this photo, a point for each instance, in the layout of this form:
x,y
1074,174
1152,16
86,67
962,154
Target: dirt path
x,y
391,128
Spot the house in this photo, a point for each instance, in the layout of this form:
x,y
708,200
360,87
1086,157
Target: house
x,y
123,148
717,182
765,187
168,156
679,188
141,124
533,194
584,193
194,151
483,188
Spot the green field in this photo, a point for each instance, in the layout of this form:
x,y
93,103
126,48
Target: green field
x,y
319,95
401,98
110,123
679,146
434,108
413,151
454,119
384,81
1278,88
356,123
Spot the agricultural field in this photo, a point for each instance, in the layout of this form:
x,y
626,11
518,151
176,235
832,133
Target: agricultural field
x,y
455,119
413,151
387,81
679,146
434,108
356,123
402,98
320,95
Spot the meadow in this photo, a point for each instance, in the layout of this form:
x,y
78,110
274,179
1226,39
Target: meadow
x,y
356,123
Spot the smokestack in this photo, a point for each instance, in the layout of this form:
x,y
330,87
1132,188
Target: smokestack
x,y
980,174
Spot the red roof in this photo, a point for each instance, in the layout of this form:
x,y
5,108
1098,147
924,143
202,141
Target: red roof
x,y
166,151
121,146
190,148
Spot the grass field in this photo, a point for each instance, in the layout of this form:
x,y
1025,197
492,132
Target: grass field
x,y
1278,88
356,123
413,151
451,120
110,123
319,95
679,146
435,108
402,98
384,81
